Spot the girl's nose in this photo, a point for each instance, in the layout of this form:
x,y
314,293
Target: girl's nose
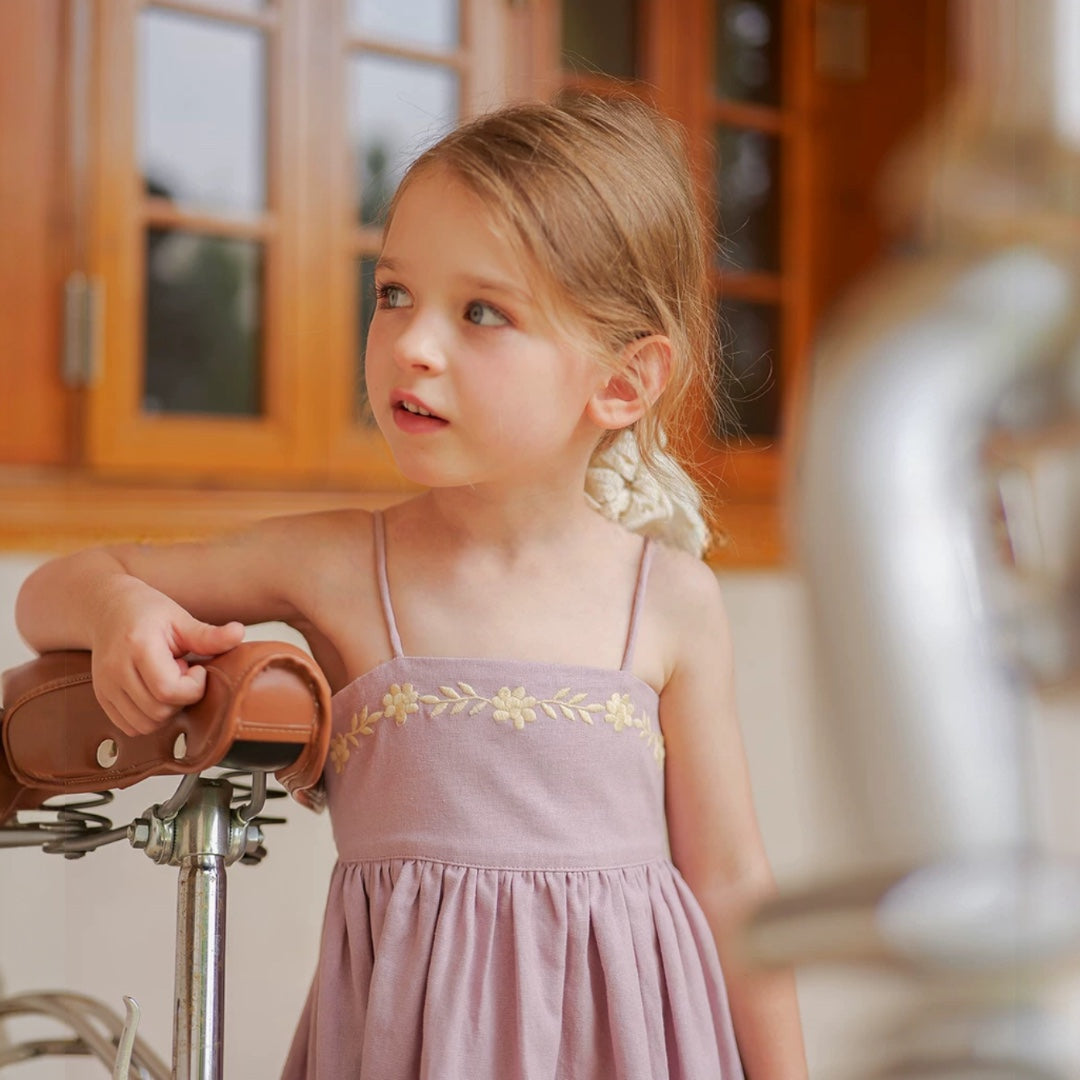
x,y
418,348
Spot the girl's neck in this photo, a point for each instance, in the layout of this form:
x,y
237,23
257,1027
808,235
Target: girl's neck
x,y
508,520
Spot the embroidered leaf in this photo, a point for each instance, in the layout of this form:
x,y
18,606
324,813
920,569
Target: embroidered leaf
x,y
585,716
376,716
468,689
449,692
428,699
576,698
568,713
458,707
439,708
561,694
548,709
480,706
593,708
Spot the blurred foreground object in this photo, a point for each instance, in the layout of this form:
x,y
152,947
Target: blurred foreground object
x,y
937,514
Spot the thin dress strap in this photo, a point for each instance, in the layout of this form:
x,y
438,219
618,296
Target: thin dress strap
x,y
384,584
639,596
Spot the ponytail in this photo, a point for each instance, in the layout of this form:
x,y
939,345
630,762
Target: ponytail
x,y
654,498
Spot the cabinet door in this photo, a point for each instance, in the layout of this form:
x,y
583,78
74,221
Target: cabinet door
x,y
244,152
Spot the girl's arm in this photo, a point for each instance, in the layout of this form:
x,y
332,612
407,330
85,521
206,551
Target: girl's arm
x,y
140,609
715,839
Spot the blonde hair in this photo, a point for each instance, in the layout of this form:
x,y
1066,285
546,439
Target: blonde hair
x,y
597,195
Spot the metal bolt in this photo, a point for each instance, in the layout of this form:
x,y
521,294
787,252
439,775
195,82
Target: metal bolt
x,y
139,833
107,753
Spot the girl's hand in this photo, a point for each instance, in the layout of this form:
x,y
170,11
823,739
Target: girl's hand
x,y
139,656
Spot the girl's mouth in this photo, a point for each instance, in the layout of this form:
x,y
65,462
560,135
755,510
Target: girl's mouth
x,y
412,417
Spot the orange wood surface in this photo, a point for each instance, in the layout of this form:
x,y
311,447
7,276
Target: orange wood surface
x,y
35,423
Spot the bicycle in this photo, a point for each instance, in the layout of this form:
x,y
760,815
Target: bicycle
x,y
266,710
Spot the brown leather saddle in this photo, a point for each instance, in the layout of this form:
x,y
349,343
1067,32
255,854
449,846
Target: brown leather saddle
x,y
266,708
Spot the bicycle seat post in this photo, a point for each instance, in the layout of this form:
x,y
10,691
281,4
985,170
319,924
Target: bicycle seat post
x,y
202,847
202,838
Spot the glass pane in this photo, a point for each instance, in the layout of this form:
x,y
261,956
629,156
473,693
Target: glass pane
x,y
431,24
397,108
599,36
365,308
202,112
748,199
203,323
747,59
749,382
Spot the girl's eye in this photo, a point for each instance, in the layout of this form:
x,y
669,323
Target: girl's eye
x,y
391,296
480,314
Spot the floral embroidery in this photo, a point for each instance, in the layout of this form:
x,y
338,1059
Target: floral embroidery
x,y
653,739
399,702
619,711
514,706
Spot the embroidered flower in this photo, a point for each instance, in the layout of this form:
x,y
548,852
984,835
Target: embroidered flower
x,y
619,711
514,705
653,739
339,752
400,701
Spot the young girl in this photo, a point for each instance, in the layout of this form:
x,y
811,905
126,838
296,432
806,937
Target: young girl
x,y
533,720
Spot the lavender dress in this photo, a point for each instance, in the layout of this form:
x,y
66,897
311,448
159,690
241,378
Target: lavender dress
x,y
503,906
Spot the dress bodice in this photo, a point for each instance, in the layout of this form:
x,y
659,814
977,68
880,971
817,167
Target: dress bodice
x,y
497,762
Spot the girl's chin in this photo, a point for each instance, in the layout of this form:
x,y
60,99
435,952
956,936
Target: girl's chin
x,y
425,473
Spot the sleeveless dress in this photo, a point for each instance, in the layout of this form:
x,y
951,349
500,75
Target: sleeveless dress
x,y
504,906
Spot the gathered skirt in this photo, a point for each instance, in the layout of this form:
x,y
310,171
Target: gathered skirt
x,y
437,971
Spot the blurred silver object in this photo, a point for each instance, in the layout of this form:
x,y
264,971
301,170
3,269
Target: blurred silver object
x,y
936,512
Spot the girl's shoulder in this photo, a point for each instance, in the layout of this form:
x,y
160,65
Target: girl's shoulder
x,y
338,542
684,619
318,533
684,586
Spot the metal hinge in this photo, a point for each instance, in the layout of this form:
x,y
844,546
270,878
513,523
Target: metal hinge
x,y
81,357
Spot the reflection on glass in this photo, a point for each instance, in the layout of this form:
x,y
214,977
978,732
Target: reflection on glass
x,y
202,112
598,36
397,108
749,384
431,24
203,324
748,199
747,51
365,308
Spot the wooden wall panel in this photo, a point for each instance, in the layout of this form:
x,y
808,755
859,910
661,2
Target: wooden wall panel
x,y
34,411
859,120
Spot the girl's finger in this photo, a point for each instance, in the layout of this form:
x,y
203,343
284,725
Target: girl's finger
x,y
171,681
205,639
149,702
123,712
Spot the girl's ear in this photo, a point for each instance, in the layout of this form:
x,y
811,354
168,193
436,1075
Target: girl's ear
x,y
640,380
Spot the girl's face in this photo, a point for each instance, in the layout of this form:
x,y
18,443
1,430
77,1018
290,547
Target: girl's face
x,y
468,379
